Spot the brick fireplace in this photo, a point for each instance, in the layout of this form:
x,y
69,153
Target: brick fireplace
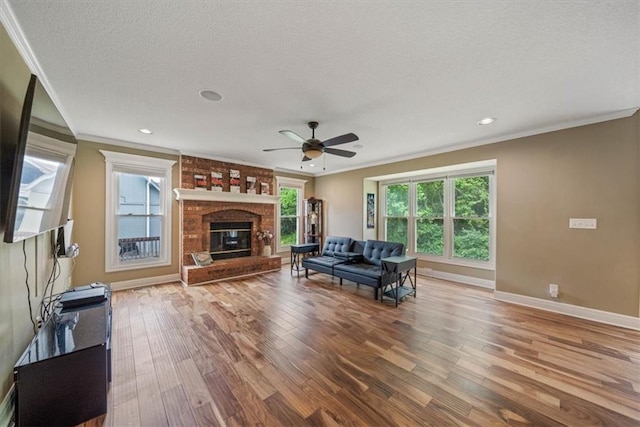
x,y
200,208
196,217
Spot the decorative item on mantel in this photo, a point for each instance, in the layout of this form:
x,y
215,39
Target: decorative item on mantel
x,y
216,181
265,237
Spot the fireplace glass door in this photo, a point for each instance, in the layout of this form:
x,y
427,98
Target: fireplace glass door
x,y
230,239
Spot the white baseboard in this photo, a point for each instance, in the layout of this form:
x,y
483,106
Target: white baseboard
x,y
7,408
593,314
147,281
467,280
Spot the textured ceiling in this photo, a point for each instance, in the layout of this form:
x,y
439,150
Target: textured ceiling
x,y
407,77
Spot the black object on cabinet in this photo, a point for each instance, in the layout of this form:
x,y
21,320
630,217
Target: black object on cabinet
x,y
63,375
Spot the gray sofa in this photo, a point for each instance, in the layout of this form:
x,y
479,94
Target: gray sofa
x,y
354,260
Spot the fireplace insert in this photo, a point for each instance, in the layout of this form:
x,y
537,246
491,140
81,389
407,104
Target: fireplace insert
x,y
229,239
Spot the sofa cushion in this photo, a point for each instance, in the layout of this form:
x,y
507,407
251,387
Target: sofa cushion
x,y
361,269
323,261
375,250
333,244
349,256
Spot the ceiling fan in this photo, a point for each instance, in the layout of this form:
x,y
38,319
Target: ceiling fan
x,y
314,148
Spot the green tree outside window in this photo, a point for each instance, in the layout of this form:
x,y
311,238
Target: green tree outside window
x,y
288,216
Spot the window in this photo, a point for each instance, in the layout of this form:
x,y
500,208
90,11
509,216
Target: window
x,y
446,215
397,213
138,211
430,217
291,192
471,222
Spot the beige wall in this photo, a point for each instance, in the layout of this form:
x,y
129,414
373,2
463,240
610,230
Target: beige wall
x,y
15,327
89,217
585,172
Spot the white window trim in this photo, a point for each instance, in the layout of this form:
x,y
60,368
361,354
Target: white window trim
x,y
283,181
131,163
454,171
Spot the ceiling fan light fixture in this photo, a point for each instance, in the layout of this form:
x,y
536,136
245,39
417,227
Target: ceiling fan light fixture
x,y
313,153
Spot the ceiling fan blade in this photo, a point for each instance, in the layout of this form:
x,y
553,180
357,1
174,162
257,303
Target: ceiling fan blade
x,y
291,134
341,153
281,148
306,159
342,139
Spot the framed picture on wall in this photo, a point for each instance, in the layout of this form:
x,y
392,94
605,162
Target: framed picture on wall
x,y
251,185
216,181
199,182
371,210
234,180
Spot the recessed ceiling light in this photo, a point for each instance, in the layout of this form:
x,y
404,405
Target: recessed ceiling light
x,y
487,121
210,95
311,165
145,131
358,146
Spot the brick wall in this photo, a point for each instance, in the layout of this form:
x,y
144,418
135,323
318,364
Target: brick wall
x,y
191,166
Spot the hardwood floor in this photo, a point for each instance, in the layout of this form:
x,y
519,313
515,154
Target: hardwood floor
x,y
273,350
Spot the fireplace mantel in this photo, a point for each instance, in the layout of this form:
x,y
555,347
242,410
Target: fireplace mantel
x,y
222,196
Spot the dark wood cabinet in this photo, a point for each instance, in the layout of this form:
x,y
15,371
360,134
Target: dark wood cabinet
x,y
62,377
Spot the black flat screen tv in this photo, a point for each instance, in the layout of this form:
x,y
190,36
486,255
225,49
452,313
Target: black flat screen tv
x,y
40,181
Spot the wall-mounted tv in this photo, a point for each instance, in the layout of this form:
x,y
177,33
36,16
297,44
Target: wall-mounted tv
x,y
40,182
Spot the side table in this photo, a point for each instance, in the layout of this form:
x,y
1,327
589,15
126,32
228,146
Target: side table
x,y
302,250
398,268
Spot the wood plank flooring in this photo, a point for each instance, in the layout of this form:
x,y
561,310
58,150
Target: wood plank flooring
x,y
273,350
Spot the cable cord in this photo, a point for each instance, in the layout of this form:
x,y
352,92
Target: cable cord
x,y
26,281
48,301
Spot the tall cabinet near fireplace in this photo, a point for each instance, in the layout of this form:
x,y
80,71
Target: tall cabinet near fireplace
x,y
313,220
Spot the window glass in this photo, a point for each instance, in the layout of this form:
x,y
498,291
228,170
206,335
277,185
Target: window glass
x,y
397,200
288,216
397,213
430,217
471,228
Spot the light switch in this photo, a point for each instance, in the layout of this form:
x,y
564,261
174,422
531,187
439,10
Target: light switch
x,y
586,223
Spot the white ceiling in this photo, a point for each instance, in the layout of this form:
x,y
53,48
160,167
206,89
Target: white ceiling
x,y
407,77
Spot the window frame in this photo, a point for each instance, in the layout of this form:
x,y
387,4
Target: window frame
x,y
299,186
452,216
448,174
117,163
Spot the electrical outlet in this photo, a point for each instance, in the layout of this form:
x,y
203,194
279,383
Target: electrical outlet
x,y
586,223
554,290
